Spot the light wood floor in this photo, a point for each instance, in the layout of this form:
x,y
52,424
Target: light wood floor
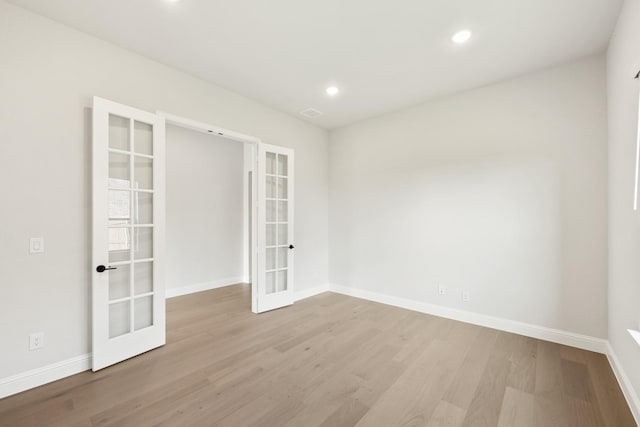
x,y
330,360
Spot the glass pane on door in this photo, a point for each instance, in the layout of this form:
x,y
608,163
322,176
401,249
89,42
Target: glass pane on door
x,y
119,282
271,210
119,133
143,278
271,163
283,211
143,243
143,312
119,170
143,137
143,173
283,231
271,234
119,205
282,188
271,259
270,187
271,282
282,281
143,204
283,252
119,319
119,241
282,165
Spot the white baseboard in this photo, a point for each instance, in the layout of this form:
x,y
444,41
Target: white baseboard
x,y
585,342
307,293
46,374
540,332
199,287
56,371
625,383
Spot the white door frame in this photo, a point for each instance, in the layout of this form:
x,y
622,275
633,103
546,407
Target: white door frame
x,y
637,175
251,143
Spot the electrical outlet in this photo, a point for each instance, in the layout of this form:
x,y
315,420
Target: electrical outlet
x,y
36,341
466,296
36,245
442,290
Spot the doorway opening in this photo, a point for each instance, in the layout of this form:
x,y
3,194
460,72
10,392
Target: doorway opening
x,y
210,207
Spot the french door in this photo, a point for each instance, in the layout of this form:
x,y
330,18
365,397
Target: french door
x,y
128,232
275,227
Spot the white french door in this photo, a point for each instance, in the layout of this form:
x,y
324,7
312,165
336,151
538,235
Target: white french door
x,y
128,232
275,227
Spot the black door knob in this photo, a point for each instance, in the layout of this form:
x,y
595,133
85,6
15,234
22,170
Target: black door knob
x,y
291,247
102,268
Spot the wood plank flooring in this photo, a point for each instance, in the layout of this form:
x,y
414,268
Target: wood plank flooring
x,y
330,360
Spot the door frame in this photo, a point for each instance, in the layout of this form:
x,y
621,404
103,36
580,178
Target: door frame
x,y
637,174
250,190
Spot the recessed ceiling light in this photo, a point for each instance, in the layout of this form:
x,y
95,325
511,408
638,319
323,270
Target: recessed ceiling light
x,y
461,37
332,91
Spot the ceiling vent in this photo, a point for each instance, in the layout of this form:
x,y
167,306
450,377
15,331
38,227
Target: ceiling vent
x,y
311,113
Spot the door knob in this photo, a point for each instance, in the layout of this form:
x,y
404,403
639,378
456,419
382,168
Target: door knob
x,y
291,247
102,268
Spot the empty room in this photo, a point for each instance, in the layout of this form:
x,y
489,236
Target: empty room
x,y
337,213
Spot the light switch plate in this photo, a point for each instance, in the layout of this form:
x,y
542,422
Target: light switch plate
x,y
36,245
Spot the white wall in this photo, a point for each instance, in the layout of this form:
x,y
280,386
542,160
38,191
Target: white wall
x,y
48,74
204,232
623,62
499,191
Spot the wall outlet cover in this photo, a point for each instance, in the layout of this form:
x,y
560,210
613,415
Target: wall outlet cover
x,y
36,341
